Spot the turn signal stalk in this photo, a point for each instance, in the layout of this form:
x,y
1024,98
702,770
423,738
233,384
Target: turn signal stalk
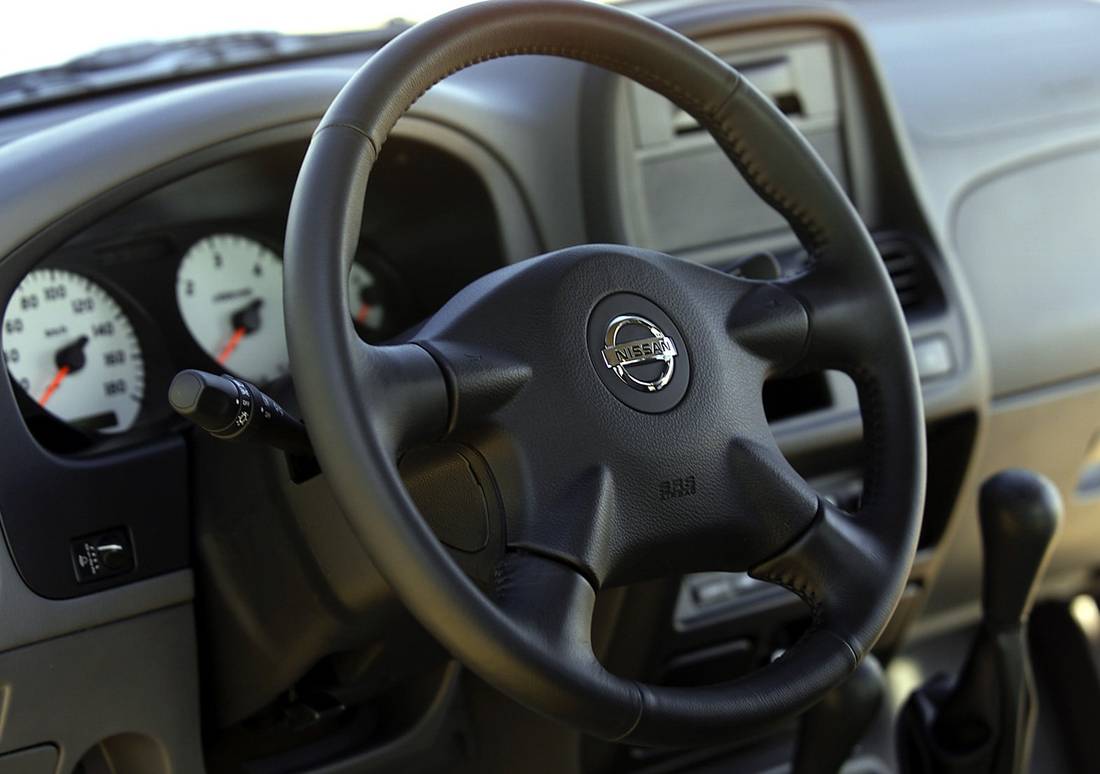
x,y
232,409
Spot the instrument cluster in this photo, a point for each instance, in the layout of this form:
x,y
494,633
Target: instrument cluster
x,y
92,337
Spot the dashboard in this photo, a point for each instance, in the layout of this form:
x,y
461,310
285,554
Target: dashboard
x,y
121,268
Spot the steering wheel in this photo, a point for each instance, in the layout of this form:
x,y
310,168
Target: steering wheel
x,y
615,396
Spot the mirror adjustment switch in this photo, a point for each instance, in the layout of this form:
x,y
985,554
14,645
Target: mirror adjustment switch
x,y
102,555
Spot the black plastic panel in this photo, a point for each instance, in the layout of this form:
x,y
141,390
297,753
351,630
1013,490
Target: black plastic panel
x,y
131,241
141,490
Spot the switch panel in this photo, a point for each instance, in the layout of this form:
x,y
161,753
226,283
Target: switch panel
x,y
102,555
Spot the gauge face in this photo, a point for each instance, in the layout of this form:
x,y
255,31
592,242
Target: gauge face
x,y
365,301
72,349
230,294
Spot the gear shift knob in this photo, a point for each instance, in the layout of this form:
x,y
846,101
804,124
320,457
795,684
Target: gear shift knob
x,y
1020,514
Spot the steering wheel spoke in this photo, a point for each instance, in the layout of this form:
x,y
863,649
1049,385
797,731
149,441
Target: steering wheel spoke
x,y
550,599
403,393
575,524
840,313
771,322
553,605
837,566
778,501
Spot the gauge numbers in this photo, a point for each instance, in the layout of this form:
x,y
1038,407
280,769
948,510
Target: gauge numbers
x,y
72,349
230,294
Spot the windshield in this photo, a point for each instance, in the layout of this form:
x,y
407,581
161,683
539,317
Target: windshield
x,y
46,35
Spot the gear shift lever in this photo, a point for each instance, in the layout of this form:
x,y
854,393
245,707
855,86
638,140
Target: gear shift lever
x,y
983,722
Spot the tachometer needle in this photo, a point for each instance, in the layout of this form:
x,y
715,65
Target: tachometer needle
x,y
231,345
59,377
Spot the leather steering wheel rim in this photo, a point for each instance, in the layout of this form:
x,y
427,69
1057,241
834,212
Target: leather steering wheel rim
x,y
466,368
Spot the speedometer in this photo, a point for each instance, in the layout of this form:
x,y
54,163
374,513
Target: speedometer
x,y
72,349
230,293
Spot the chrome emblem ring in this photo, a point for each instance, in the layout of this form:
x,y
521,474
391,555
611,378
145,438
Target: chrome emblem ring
x,y
621,356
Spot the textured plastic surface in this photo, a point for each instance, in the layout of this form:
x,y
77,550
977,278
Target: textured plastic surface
x,y
692,201
971,89
34,760
138,676
1006,159
1023,251
142,491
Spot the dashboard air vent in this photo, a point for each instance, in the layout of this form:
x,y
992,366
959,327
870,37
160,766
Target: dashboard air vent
x,y
906,263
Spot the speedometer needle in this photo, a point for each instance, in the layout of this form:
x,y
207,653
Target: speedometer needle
x,y
68,359
54,384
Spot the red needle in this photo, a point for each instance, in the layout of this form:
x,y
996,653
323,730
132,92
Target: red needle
x,y
59,377
234,340
361,317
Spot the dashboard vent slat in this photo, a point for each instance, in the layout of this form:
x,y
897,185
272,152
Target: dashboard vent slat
x,y
904,263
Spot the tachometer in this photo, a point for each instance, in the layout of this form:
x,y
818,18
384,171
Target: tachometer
x,y
230,293
366,301
72,349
